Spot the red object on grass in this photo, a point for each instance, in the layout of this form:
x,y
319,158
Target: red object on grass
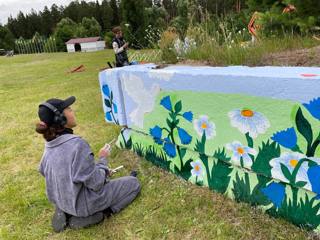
x,y
78,69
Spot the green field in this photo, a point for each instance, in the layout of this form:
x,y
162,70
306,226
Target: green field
x,y
168,207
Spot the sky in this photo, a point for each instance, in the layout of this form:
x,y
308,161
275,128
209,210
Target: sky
x,y
12,7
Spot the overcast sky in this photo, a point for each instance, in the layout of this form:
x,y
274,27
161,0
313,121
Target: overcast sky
x,y
13,7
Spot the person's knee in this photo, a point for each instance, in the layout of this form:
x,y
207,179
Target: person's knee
x,y
135,184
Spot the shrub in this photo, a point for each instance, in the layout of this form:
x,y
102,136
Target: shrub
x,y
166,44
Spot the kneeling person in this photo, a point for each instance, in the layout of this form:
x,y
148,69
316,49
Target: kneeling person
x,y
80,188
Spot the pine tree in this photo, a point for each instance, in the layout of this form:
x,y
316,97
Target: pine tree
x,y
106,16
47,22
6,38
134,18
115,13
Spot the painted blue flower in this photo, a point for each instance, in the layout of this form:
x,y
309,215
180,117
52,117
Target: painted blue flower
x,y
166,103
275,192
314,107
156,133
188,116
314,178
184,136
108,116
115,108
169,148
106,90
286,138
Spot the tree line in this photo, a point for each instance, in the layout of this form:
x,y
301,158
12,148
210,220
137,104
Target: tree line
x,y
81,18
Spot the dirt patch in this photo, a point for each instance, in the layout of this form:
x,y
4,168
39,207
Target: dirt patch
x,y
302,57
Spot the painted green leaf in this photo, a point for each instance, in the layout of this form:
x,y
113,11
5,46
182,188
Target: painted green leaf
x,y
128,144
178,107
304,127
266,152
200,145
183,152
172,115
138,149
300,184
170,124
221,154
219,178
157,157
285,172
241,190
107,103
185,171
249,140
303,214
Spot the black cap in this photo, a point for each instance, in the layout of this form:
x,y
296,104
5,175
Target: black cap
x,y
47,115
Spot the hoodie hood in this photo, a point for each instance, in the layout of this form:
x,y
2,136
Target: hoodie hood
x,y
60,140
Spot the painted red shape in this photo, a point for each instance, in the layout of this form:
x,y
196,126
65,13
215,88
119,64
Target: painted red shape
x,y
309,75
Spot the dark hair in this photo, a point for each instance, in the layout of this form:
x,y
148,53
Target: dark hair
x,y
116,29
49,132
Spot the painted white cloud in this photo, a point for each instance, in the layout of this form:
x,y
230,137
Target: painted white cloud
x,y
144,98
160,74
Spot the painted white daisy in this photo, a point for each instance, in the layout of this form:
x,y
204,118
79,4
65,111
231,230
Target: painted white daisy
x,y
203,125
290,160
248,121
197,169
240,151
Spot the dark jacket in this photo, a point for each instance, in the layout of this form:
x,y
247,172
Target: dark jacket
x,y
121,57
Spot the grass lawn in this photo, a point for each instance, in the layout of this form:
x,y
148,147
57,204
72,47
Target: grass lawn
x,y
168,207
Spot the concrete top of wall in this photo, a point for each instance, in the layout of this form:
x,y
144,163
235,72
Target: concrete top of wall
x,y
264,72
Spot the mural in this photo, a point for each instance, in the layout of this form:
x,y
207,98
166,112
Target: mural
x,y
252,134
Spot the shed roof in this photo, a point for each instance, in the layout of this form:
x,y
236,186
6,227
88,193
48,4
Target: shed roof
x,y
83,40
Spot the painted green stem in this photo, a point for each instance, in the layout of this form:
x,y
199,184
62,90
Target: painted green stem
x,y
249,140
173,141
313,147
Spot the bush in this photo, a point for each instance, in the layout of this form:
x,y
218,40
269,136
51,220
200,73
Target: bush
x,y
108,39
166,44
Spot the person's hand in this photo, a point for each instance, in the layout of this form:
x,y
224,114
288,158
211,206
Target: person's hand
x,y
110,173
105,151
126,45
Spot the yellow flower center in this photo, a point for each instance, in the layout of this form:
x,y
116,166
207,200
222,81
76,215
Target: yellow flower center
x,y
247,113
197,168
240,150
293,162
204,126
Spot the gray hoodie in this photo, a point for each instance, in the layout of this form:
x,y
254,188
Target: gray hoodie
x,y
74,182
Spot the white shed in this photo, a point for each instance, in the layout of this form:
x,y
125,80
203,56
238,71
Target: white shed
x,y
90,44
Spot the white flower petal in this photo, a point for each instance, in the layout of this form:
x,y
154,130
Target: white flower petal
x,y
254,125
236,158
247,161
251,151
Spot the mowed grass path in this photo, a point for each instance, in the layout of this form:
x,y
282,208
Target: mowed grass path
x,y
168,207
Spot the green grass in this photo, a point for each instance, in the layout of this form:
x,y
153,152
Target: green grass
x,y
252,55
168,207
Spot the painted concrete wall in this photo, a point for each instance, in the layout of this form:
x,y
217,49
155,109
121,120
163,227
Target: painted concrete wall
x,y
252,134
